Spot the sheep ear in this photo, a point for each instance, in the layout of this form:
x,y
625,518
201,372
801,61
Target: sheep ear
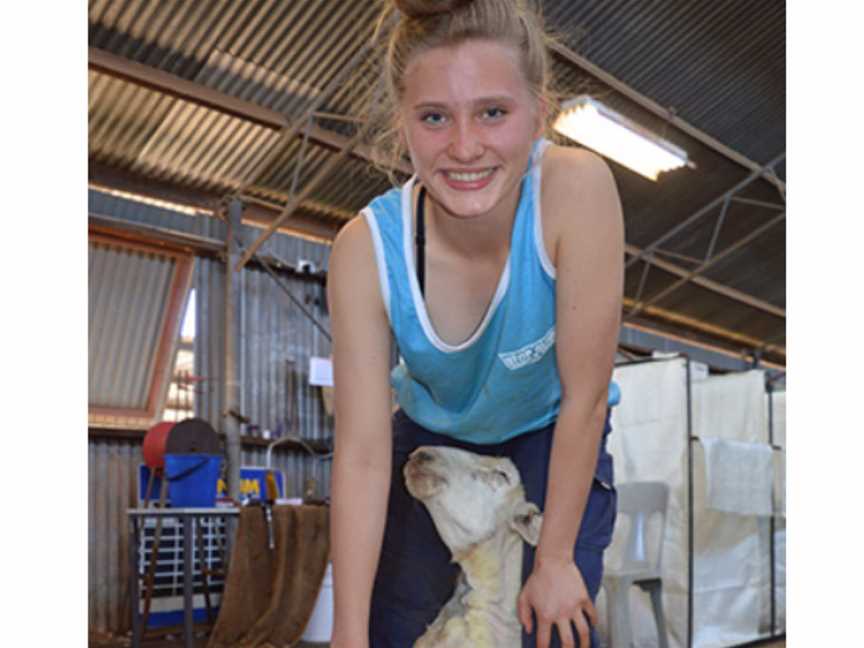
x,y
526,522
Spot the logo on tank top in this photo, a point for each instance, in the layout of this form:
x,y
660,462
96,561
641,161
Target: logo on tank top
x,y
530,353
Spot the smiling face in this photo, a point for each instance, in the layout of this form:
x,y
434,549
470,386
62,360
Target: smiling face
x,y
469,496
469,119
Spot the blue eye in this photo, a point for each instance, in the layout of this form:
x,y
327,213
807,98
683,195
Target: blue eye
x,y
433,118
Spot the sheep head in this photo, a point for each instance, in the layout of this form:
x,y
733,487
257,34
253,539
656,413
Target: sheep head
x,y
470,497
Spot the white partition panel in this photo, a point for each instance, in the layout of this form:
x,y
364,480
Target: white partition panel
x,y
731,558
731,555
778,402
649,443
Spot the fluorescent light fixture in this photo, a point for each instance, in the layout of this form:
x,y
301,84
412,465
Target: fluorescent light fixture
x,y
589,122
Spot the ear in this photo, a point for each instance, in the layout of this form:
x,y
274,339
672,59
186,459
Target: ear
x,y
526,521
541,116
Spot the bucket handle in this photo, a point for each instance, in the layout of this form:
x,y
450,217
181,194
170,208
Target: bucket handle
x,y
186,471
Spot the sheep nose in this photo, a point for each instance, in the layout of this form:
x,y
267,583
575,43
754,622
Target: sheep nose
x,y
421,456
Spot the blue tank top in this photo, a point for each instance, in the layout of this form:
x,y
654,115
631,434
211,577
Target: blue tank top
x,y
503,380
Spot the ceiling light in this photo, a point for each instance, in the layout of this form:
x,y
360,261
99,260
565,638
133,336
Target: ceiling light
x,y
589,122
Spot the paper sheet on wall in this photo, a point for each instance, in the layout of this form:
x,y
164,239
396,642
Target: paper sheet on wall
x,y
321,372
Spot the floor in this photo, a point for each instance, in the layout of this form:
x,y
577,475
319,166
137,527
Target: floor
x,y
777,644
201,642
173,642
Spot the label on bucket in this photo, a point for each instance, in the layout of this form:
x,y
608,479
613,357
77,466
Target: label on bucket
x,y
252,484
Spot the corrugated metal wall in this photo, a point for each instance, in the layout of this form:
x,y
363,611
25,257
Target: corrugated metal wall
x,y
111,470
131,286
273,333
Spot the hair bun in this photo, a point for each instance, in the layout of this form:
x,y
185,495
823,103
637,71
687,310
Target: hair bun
x,y
427,8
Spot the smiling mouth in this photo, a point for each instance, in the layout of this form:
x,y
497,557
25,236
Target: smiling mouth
x,y
469,176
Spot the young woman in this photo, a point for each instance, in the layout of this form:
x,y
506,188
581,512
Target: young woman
x,y
505,312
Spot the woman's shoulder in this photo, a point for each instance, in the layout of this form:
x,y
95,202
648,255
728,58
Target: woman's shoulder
x,y
564,165
577,190
573,176
352,268
353,242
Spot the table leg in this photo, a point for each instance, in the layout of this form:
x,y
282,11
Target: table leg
x,y
136,594
188,620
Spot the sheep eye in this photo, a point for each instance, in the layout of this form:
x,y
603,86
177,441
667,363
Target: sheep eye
x,y
503,476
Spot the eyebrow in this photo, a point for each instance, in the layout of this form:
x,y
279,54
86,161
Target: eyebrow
x,y
479,101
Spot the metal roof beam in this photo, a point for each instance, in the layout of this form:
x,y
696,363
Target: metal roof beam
x,y
727,336
691,275
709,284
289,209
193,92
759,203
718,358
719,200
664,113
258,214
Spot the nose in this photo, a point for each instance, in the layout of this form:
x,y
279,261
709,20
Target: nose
x,y
422,456
465,144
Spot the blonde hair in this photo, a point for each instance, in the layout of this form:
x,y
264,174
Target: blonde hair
x,y
421,25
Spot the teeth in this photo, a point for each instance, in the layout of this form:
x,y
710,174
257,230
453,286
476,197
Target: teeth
x,y
469,177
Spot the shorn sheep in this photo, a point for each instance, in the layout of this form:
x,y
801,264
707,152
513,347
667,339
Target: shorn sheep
x,y
478,506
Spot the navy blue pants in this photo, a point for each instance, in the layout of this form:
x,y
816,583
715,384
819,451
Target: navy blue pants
x,y
415,574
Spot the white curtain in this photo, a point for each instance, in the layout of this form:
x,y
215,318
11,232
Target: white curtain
x,y
649,442
731,558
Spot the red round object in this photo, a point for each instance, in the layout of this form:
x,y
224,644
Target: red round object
x,y
154,444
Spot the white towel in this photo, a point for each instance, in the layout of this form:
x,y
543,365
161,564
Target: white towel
x,y
739,476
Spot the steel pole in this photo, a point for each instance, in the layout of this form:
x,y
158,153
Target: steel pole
x,y
232,381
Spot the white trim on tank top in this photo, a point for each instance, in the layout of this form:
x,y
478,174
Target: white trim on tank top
x,y
545,261
419,302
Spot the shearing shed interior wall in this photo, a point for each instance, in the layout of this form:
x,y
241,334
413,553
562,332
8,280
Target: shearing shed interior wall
x,y
276,342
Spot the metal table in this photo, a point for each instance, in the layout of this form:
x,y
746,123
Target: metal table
x,y
186,516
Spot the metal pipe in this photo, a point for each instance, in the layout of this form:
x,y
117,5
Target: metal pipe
x,y
231,382
291,131
716,234
188,618
642,280
729,250
759,203
728,336
704,282
772,550
690,524
295,301
323,173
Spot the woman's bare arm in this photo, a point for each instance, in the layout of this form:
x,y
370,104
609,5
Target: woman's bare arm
x,y
589,285
361,465
589,260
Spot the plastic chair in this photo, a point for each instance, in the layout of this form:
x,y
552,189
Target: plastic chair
x,y
638,500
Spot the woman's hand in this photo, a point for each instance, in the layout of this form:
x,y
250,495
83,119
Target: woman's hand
x,y
557,594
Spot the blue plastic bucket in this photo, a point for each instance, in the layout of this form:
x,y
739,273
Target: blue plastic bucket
x,y
192,479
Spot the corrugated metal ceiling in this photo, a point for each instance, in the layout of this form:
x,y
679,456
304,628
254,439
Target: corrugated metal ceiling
x,y
720,66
